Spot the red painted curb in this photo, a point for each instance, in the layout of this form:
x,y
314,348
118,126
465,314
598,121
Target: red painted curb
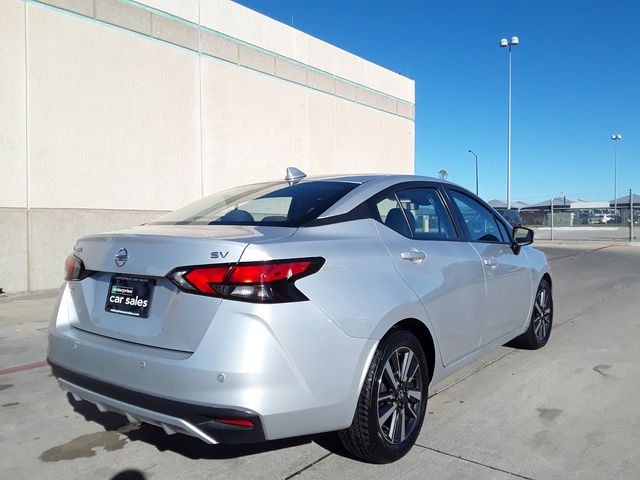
x,y
22,368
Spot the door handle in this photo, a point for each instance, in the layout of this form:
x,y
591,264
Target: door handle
x,y
413,255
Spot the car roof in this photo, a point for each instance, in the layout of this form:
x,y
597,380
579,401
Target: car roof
x,y
368,177
370,184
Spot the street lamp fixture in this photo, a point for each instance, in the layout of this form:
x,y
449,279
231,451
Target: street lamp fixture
x,y
472,153
615,137
504,43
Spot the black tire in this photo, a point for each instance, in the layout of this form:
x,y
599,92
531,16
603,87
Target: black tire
x,y
539,331
369,440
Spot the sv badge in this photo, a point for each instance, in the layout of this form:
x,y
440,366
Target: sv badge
x,y
219,254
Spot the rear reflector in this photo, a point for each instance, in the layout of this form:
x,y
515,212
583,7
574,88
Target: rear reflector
x,y
236,422
264,282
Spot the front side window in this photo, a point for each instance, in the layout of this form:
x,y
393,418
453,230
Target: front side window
x,y
481,223
503,232
274,204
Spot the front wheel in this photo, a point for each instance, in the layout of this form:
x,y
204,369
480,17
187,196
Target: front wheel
x,y
392,403
539,331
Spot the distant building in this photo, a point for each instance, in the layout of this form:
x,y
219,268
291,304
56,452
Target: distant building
x,y
500,204
624,201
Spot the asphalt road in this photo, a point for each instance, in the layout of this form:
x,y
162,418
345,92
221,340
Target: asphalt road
x,y
567,411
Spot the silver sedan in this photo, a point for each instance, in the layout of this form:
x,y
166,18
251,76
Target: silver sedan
x,y
296,307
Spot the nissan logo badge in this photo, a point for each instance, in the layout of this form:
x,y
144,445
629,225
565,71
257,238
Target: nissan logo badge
x,y
121,257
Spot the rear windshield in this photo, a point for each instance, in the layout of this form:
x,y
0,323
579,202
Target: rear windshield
x,y
273,204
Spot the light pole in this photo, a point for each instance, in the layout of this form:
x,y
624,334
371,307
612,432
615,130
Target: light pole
x,y
615,137
503,44
472,153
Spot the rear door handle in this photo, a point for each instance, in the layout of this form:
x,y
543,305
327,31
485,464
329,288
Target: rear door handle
x,y
413,255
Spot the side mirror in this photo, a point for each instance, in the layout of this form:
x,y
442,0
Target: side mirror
x,y
522,236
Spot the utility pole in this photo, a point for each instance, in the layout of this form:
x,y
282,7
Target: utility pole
x,y
551,218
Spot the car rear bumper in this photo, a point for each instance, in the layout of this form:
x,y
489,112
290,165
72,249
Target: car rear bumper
x,y
173,417
286,366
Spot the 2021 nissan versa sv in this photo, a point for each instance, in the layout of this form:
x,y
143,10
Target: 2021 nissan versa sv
x,y
296,307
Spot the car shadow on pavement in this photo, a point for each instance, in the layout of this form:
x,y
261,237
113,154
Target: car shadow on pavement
x,y
191,447
129,474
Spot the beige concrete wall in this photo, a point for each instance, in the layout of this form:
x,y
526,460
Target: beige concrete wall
x,y
13,152
52,233
111,110
260,135
252,27
115,113
13,193
13,242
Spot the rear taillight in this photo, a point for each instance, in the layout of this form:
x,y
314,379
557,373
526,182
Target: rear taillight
x,y
74,269
264,282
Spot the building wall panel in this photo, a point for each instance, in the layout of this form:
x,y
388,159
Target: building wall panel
x,y
113,117
13,153
113,112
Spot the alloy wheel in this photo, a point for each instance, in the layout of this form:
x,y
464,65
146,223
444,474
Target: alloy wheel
x,y
542,315
399,395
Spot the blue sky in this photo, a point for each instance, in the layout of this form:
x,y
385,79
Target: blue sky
x,y
576,80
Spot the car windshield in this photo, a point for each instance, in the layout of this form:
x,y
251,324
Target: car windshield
x,y
272,204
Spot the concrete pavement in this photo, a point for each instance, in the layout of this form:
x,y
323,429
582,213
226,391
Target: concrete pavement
x,y
566,411
588,233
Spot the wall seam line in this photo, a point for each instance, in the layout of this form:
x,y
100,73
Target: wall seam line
x,y
200,104
335,134
88,209
26,143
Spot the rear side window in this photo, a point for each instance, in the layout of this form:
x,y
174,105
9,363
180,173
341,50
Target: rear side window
x,y
481,223
417,213
427,215
391,214
273,204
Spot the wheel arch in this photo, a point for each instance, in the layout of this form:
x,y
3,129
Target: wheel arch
x,y
547,277
423,334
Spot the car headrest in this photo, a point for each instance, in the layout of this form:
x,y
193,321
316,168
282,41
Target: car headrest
x,y
236,216
396,221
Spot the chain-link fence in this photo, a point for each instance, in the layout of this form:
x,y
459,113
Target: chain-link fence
x,y
582,224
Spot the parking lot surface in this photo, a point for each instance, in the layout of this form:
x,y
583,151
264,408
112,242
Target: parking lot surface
x,y
598,233
566,411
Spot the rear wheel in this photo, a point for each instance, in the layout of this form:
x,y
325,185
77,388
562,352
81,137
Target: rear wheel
x,y
539,331
392,402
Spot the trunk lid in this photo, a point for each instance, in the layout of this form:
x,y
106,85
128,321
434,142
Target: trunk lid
x,y
174,319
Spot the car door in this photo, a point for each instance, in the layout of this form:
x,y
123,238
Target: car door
x,y
438,265
508,275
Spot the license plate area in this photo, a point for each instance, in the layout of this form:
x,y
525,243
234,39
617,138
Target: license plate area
x,y
130,295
